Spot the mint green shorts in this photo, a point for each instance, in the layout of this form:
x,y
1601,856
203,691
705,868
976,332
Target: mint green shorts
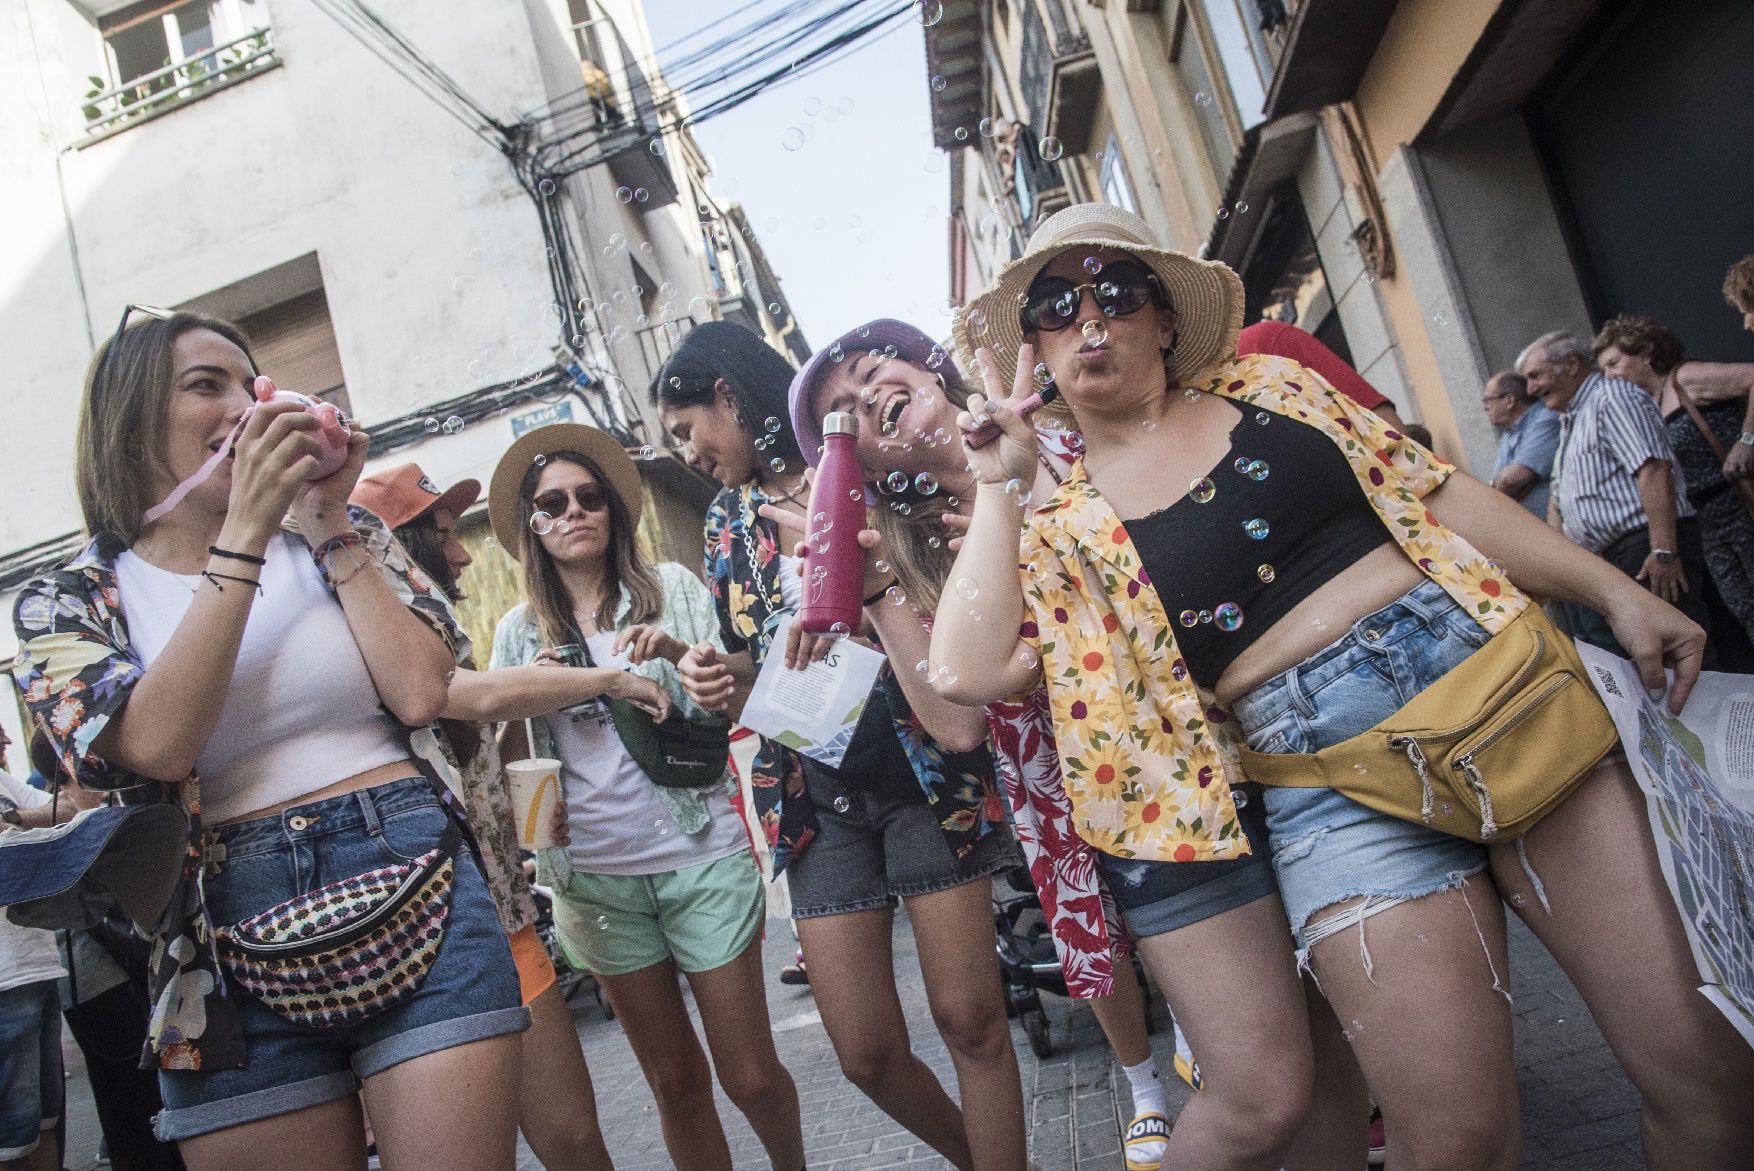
x,y
703,917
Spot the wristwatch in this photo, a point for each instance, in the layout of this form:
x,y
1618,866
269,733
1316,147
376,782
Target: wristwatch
x,y
1746,439
1663,556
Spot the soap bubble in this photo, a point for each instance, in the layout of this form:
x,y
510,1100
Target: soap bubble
x,y
546,186
895,595
1206,617
1228,616
925,483
602,922
1242,206
934,359
1096,332
836,353
930,12
624,194
540,460
640,195
896,481
1202,98
1256,528
1240,798
923,669
947,676
648,452
1044,377
880,565
453,425
1093,264
1202,490
1241,465
986,127
457,168
1051,150
839,630
822,522
966,589
1189,618
776,464
1263,417
775,308
541,523
463,286
1265,572
656,146
617,241
1257,469
792,139
1224,213
938,84
960,134
430,426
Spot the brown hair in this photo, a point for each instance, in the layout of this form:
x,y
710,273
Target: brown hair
x,y
1739,285
626,566
1640,335
921,566
122,420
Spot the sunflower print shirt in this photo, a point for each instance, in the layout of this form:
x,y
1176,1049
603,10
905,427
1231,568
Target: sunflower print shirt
x,y
743,573
76,667
1148,757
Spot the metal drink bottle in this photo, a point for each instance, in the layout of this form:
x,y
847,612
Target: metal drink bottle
x,y
834,564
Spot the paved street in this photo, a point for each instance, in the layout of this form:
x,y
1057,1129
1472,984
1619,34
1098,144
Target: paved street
x,y
1579,1113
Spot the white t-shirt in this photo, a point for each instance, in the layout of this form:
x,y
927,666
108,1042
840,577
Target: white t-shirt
x,y
618,824
301,712
27,954
792,582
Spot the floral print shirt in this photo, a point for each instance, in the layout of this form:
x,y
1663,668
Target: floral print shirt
x,y
76,667
1146,756
743,572
687,615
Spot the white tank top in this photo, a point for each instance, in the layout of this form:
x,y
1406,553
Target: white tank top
x,y
301,712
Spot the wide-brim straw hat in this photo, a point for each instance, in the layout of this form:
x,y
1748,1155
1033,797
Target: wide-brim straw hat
x,y
503,507
1206,295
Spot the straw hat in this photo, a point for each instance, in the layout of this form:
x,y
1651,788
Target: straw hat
x,y
1206,295
601,448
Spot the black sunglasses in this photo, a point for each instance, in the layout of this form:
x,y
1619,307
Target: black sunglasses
x,y
552,503
128,311
1051,304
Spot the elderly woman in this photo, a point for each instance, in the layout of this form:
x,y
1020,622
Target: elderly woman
x,y
1323,571
1709,413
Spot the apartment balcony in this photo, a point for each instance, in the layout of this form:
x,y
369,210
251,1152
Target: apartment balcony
x,y
1058,77
1321,49
152,95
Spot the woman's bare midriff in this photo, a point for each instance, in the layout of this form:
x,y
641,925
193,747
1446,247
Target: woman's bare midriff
x,y
382,775
1321,619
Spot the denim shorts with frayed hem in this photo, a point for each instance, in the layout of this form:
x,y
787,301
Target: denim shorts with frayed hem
x,y
1328,848
470,994
31,1089
872,848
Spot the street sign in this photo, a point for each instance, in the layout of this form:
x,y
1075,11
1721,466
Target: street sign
x,y
542,416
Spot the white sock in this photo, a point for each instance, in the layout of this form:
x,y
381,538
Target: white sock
x,y
1147,1088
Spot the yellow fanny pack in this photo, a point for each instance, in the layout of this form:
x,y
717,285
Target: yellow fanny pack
x,y
1483,753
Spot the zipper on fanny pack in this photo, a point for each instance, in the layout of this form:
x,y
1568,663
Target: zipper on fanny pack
x,y
1465,762
1521,678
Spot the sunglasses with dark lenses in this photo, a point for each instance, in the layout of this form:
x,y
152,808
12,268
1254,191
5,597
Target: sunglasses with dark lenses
x,y
551,505
1051,304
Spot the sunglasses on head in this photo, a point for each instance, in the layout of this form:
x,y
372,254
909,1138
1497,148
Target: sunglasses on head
x,y
129,311
1051,304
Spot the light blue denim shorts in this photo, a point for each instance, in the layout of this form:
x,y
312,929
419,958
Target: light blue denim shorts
x,y
1327,848
470,994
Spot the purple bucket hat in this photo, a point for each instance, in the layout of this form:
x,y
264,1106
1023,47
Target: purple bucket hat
x,y
911,345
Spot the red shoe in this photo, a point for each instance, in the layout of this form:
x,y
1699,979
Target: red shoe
x,y
1379,1140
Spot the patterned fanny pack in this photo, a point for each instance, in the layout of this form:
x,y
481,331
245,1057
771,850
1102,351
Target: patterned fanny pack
x,y
345,952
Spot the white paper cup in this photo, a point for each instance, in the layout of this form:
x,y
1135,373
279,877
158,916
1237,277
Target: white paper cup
x,y
535,788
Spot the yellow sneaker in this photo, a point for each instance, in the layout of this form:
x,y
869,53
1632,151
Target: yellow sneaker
x,y
1147,1138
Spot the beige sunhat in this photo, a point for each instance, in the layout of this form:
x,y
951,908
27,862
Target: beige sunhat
x,y
504,509
1206,294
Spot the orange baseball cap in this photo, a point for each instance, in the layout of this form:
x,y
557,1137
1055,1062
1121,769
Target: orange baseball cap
x,y
403,494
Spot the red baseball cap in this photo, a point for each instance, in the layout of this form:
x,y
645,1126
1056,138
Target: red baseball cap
x,y
403,494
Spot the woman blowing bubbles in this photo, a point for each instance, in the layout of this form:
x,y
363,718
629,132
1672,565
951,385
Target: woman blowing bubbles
x,y
1322,571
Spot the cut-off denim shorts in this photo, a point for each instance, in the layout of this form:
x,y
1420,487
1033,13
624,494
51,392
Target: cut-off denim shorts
x,y
1159,897
1327,848
470,994
873,848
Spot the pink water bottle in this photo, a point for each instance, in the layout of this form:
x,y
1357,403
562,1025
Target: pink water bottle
x,y
834,564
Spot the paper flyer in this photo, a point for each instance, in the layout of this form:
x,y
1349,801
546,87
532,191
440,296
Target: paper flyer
x,y
814,710
1697,773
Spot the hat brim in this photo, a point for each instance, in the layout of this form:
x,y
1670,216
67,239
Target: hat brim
x,y
69,875
457,498
1206,295
598,446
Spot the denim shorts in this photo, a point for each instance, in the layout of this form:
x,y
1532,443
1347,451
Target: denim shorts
x,y
470,994
32,1092
873,848
1327,848
1159,897
703,916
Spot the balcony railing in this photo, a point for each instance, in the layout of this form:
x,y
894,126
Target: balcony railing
x,y
162,90
1057,73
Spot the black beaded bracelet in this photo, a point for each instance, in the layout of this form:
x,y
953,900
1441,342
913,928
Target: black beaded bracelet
x,y
249,558
878,596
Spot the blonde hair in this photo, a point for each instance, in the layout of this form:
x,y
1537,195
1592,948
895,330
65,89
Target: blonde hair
x,y
120,439
921,567
625,565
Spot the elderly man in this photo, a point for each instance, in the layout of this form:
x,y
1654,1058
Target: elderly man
x,y
1528,438
1616,493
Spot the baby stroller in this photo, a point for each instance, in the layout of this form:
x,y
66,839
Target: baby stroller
x,y
1027,961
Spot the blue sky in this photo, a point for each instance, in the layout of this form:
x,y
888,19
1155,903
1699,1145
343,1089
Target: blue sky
x,y
854,219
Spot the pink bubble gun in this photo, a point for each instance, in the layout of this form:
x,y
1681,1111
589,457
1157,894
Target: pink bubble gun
x,y
989,431
333,434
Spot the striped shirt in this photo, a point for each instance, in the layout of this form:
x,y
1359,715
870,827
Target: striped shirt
x,y
1607,432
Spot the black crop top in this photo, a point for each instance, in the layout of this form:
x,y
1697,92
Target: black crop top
x,y
1279,517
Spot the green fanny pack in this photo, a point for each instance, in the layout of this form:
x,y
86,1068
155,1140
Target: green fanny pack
x,y
676,754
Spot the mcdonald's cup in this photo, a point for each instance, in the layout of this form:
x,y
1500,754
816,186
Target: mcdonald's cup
x,y
535,788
